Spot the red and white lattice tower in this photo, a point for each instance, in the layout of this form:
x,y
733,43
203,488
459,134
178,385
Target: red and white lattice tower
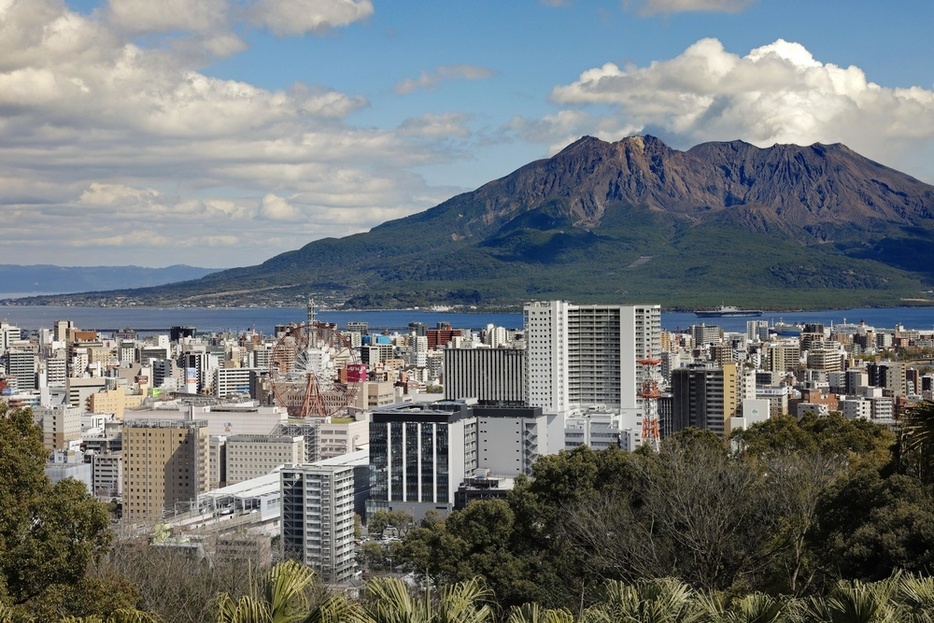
x,y
650,395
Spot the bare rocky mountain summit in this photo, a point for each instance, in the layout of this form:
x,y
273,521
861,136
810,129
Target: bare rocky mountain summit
x,y
633,220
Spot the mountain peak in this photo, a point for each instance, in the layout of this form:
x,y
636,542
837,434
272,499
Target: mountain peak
x,y
635,219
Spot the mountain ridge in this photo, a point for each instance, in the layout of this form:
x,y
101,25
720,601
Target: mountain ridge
x,y
720,221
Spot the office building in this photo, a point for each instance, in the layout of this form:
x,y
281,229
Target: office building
x,y
22,362
490,375
166,466
511,438
252,456
317,521
419,455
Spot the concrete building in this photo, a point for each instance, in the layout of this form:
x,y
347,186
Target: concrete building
x,y
582,355
777,395
232,381
827,356
107,475
856,408
317,521
60,425
80,389
166,466
115,401
252,456
341,436
22,362
511,438
490,375
595,430
375,394
705,396
69,465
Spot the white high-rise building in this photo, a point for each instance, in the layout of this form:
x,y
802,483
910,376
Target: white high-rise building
x,y
318,518
583,355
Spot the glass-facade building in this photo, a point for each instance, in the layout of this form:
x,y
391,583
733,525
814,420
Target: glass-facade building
x,y
419,455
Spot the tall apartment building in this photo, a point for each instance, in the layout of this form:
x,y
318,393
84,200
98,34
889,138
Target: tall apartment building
x,y
890,376
166,463
582,355
491,375
317,520
56,368
8,335
419,455
705,396
22,362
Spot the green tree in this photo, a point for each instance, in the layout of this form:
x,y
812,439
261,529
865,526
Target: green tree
x,y
379,520
860,442
49,534
870,526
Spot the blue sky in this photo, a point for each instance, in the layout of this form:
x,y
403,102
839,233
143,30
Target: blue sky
x,y
223,132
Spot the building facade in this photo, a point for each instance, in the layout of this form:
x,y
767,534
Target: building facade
x,y
166,466
317,518
419,455
583,355
490,375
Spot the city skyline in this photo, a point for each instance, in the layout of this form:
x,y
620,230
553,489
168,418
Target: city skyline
x,y
220,133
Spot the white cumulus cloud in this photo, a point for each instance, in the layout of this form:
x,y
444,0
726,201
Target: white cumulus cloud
x,y
165,155
777,93
146,16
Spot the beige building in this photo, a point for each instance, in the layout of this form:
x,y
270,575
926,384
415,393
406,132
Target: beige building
x,y
60,425
114,401
251,456
165,466
340,437
81,388
373,395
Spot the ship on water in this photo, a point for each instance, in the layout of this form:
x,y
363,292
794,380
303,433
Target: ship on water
x,y
727,311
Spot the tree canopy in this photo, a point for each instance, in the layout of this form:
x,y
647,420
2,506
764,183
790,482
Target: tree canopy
x,y
49,534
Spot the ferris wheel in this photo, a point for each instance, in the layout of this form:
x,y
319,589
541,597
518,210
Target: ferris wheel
x,y
314,371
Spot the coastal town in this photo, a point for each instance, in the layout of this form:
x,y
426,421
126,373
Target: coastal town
x,y
213,441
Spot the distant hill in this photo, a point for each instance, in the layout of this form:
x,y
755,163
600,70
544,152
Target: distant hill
x,y
45,278
634,220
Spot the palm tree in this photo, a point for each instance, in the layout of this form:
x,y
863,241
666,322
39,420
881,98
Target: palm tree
x,y
534,613
388,600
756,608
852,602
918,437
286,598
914,598
664,600
120,616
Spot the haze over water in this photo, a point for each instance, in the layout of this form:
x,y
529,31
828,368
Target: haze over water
x,y
264,320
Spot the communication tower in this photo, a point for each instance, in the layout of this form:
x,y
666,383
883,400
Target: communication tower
x,y
650,395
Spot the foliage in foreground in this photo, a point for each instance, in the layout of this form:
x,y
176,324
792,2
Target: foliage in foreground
x,y
798,506
818,509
